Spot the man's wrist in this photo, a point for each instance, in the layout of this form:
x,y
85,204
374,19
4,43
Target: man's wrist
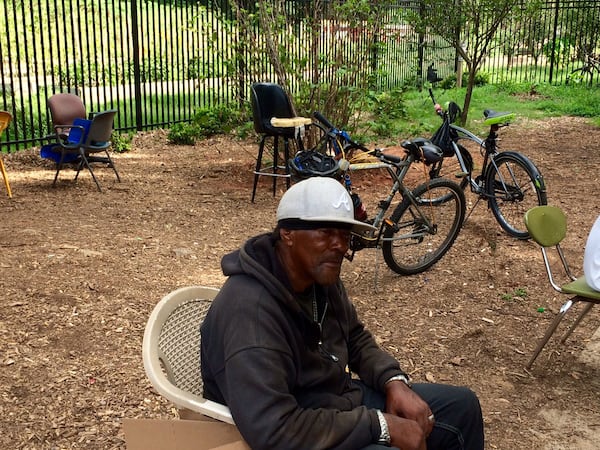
x,y
384,436
402,377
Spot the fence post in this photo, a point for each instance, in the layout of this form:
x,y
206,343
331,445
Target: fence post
x,y
554,31
137,83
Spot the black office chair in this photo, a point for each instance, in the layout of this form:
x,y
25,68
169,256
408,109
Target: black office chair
x,y
85,138
274,118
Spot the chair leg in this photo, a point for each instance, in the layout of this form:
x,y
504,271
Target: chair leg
x,y
275,170
588,306
85,162
286,157
261,148
59,165
550,331
275,163
111,164
4,174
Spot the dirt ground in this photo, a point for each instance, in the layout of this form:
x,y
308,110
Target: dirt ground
x,y
82,270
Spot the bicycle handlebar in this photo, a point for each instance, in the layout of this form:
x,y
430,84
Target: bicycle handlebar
x,y
438,108
431,95
353,144
321,118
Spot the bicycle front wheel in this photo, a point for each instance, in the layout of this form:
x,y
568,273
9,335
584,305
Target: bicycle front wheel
x,y
514,185
423,231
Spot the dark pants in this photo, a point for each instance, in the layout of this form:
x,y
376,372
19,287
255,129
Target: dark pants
x,y
458,419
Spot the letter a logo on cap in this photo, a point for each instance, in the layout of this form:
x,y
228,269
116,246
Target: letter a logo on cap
x,y
343,201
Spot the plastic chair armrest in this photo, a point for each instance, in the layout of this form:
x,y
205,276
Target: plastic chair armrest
x,y
62,135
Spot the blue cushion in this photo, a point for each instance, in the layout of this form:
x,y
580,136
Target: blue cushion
x,y
52,151
76,132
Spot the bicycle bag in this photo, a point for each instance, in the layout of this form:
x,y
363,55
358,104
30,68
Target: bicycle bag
x,y
442,139
444,135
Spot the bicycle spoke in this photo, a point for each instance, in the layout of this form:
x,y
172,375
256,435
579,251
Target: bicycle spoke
x,y
512,189
426,230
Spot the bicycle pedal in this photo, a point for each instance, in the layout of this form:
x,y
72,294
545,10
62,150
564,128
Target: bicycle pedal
x,y
460,174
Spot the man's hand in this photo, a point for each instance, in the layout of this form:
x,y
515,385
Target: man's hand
x,y
405,433
402,401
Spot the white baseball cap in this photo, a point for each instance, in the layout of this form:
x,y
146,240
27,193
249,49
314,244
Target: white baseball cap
x,y
319,199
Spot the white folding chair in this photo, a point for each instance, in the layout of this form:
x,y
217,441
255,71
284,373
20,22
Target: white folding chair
x,y
171,350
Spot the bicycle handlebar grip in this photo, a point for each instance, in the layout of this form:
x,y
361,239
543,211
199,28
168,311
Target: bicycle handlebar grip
x,y
321,118
390,158
431,95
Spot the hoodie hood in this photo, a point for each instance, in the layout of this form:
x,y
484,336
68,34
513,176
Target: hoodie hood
x,y
257,258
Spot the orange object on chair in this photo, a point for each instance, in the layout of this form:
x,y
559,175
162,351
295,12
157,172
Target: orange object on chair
x,y
5,119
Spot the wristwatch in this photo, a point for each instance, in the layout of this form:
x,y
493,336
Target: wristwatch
x,y
402,378
384,437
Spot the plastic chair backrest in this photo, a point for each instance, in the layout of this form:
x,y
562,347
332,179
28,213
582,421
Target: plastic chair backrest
x,y
65,108
100,129
270,100
5,118
546,224
171,350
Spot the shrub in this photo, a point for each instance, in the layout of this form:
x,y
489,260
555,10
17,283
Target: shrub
x,y
121,142
206,122
182,134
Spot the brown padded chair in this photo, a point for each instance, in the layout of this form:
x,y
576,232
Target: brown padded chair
x,y
5,118
65,108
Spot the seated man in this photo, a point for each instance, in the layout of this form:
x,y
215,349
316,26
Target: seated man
x,y
281,342
591,257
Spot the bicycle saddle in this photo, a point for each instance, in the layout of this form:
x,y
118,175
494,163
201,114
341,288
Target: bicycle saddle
x,y
311,163
422,148
494,117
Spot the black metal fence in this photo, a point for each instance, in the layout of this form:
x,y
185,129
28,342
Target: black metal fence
x,y
158,61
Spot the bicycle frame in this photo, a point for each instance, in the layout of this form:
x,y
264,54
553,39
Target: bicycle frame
x,y
397,171
396,167
490,149
410,233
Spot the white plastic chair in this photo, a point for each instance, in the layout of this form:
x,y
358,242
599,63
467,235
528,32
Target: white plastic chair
x,y
171,350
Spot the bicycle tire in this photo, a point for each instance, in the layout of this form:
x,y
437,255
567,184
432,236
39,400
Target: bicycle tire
x,y
408,248
514,185
582,75
316,138
450,168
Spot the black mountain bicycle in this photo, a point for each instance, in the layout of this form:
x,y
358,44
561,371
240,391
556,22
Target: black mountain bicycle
x,y
509,182
423,225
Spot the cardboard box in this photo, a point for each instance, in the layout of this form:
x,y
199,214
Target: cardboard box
x,y
197,433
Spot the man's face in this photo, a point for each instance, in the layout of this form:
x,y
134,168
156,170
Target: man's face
x,y
316,256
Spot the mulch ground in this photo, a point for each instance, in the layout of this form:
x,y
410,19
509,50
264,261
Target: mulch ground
x,y
82,271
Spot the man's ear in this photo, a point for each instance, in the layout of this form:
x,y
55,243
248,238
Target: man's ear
x,y
287,236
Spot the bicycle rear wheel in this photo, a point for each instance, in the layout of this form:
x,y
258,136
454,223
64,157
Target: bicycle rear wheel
x,y
410,246
514,185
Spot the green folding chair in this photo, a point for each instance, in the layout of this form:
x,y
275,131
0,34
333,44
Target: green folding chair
x,y
547,226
